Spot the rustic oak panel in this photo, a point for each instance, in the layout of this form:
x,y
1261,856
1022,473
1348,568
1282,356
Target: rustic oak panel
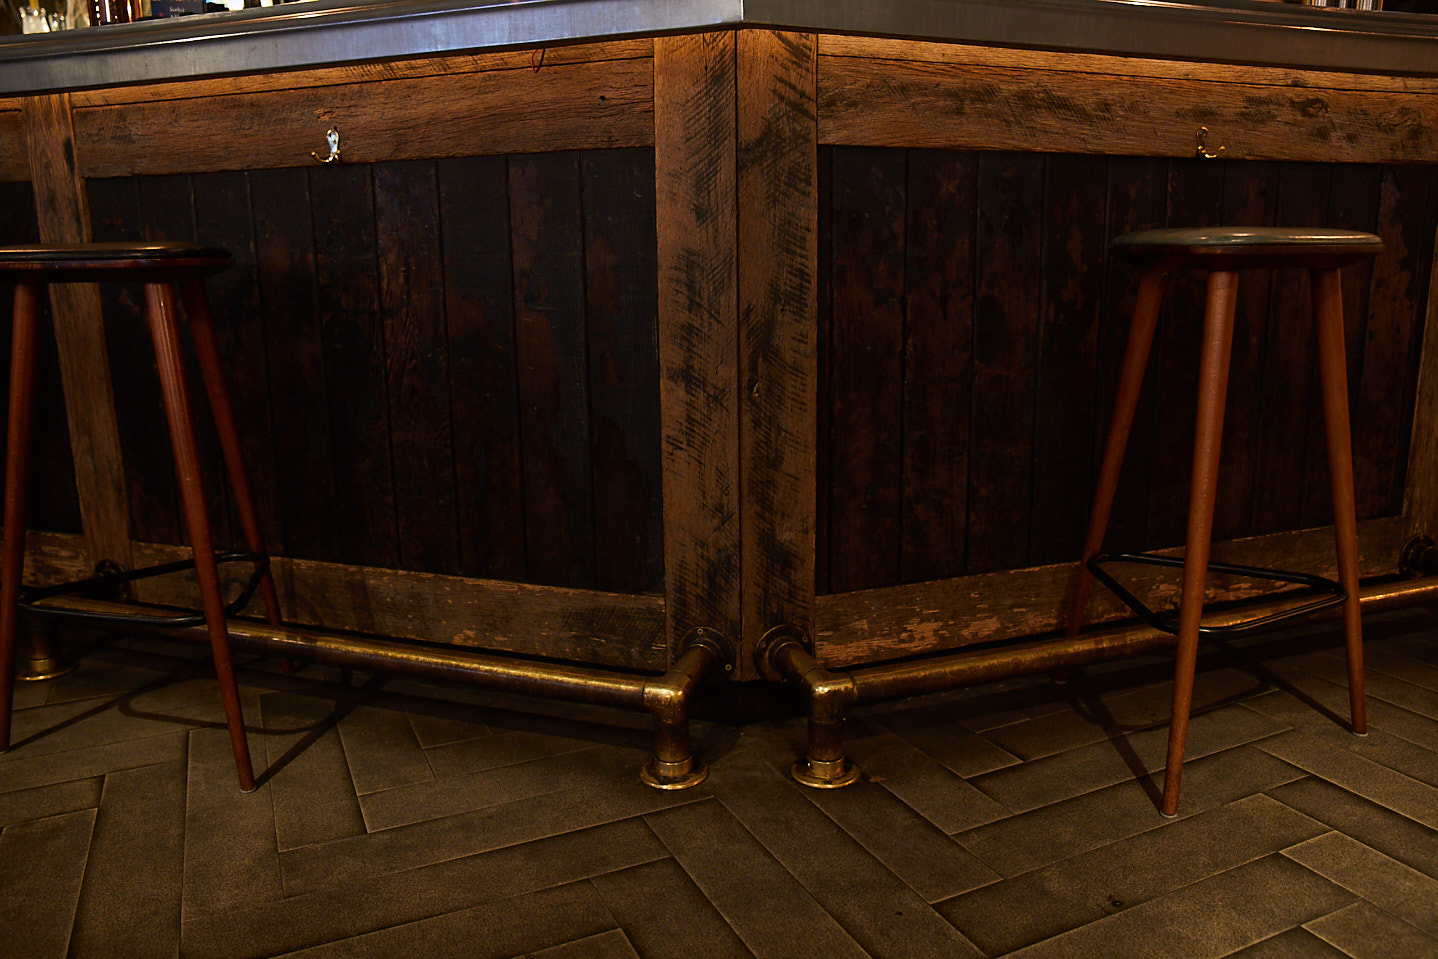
x,y
585,105
1420,503
866,102
778,325
352,327
695,173
548,242
895,621
479,320
64,217
14,158
512,60
620,290
823,473
938,362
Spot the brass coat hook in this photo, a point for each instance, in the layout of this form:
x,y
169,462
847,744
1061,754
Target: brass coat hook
x,y
332,139
1203,145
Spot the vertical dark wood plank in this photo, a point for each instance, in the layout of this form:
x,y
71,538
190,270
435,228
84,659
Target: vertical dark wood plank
x,y
139,412
866,380
411,286
778,232
1195,198
695,212
1006,322
62,208
938,362
620,291
1290,368
1396,295
1352,205
823,420
546,218
1137,200
284,258
352,327
1421,495
1250,198
223,218
1073,273
484,393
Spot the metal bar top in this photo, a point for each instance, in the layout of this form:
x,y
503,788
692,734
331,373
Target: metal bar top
x,y
331,32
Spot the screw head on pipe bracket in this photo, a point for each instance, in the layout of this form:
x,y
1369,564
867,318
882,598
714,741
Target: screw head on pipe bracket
x,y
771,640
714,641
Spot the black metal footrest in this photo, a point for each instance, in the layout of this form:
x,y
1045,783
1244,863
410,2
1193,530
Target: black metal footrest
x,y
1168,622
31,599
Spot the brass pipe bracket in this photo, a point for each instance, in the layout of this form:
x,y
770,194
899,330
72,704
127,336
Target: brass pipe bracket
x,y
784,653
672,765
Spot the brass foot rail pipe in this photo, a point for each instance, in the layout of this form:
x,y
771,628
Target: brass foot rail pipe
x,y
784,654
667,698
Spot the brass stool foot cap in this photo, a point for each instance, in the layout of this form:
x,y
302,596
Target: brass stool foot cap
x,y
831,774
653,776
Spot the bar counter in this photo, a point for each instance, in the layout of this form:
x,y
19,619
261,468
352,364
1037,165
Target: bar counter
x,y
609,326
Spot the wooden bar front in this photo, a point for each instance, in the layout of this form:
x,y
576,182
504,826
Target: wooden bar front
x,y
578,350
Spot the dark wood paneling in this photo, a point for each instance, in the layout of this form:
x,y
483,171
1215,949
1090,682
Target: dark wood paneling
x,y
14,163
479,318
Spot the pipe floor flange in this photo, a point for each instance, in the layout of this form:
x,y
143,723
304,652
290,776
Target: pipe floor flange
x,y
51,667
651,777
835,774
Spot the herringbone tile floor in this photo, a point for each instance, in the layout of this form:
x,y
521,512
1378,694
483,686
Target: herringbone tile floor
x,y
402,819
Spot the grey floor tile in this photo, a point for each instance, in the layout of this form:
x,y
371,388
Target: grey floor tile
x,y
955,746
881,913
130,902
440,724
1208,919
309,779
1126,874
61,767
231,855
457,794
1064,775
1386,722
518,926
1052,833
95,678
381,748
1295,943
946,800
756,895
606,945
374,904
501,748
1387,883
42,864
910,846
38,802
1380,784
1364,931
1397,836
594,803
665,916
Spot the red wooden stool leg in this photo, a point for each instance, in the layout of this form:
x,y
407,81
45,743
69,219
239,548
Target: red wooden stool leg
x,y
165,331
17,478
1333,381
1130,384
207,351
1208,437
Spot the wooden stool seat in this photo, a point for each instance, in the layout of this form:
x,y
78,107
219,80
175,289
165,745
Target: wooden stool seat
x,y
164,269
1222,252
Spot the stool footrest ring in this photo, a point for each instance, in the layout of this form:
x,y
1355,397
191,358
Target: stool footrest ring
x,y
1168,622
31,599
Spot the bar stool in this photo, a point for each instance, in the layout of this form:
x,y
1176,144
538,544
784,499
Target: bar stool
x,y
1222,252
164,269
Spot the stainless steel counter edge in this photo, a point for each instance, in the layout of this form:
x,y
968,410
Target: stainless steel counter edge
x,y
327,32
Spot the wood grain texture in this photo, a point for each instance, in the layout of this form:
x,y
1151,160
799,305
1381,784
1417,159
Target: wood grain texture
x,y
546,219
63,211
571,106
696,198
583,625
887,623
1420,502
14,158
916,104
484,394
778,326
508,60
411,288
